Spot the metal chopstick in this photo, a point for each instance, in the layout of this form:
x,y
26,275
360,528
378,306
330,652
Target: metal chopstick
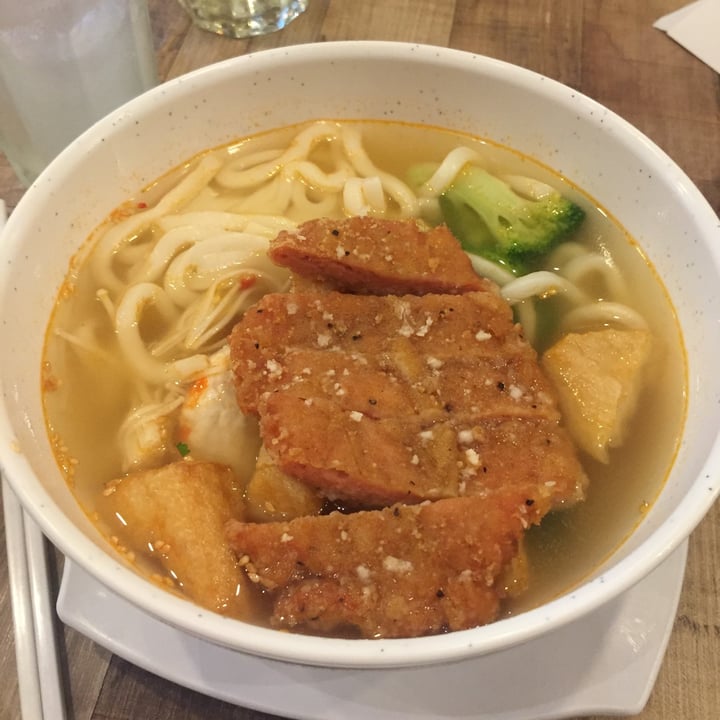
x,y
51,682
39,678
21,598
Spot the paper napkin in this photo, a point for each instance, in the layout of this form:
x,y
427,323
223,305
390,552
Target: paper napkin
x,y
697,28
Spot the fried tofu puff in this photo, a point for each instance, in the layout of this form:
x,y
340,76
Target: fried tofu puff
x,y
271,494
179,513
599,376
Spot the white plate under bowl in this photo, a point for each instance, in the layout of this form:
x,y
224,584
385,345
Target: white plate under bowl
x,y
605,663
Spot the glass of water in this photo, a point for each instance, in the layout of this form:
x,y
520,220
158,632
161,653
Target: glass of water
x,y
63,65
243,18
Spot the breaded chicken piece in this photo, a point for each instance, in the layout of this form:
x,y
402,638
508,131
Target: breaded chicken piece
x,y
350,456
403,571
377,257
401,399
179,511
413,389
410,337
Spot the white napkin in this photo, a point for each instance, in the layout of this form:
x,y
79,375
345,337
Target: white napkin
x,y
697,28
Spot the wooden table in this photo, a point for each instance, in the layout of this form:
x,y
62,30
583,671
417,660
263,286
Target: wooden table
x,y
607,49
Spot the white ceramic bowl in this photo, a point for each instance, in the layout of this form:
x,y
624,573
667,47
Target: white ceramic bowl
x,y
603,154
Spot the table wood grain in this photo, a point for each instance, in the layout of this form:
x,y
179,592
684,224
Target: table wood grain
x,y
606,49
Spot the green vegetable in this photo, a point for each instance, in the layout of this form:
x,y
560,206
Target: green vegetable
x,y
183,449
490,218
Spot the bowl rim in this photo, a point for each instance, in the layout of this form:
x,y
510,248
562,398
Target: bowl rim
x,y
334,652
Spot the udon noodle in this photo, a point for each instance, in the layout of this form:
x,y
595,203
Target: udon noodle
x,y
171,272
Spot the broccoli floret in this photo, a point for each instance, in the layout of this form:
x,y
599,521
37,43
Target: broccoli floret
x,y
491,219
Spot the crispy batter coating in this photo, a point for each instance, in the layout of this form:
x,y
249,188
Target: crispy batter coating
x,y
400,399
376,256
411,393
402,571
180,511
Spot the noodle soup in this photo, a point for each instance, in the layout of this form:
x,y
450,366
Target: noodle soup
x,y
139,333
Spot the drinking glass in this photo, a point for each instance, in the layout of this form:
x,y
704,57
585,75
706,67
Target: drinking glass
x,y
243,18
63,65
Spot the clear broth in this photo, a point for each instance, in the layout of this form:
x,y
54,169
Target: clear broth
x,y
88,401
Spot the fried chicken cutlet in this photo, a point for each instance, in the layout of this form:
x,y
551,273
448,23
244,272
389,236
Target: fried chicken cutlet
x,y
411,393
402,571
376,257
383,399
